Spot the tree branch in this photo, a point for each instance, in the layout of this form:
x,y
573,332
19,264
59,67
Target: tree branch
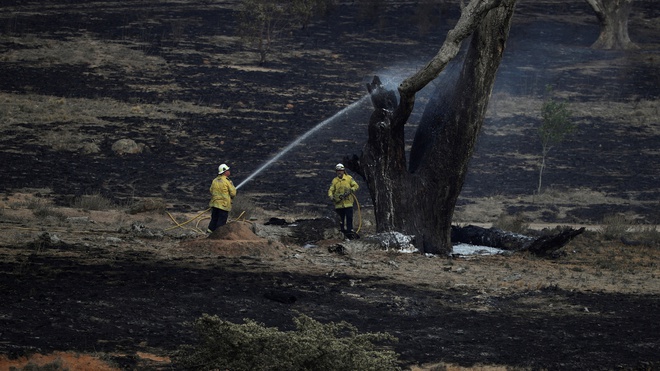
x,y
471,16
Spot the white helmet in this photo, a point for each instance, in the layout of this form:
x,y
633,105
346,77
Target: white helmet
x,y
222,168
339,167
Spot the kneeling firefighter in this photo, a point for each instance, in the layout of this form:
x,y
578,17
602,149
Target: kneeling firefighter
x,y
341,193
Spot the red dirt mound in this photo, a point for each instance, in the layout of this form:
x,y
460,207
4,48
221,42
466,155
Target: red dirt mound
x,y
235,231
234,239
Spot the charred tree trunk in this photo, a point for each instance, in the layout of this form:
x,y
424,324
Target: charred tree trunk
x,y
613,21
420,199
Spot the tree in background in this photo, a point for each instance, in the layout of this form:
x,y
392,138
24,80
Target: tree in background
x,y
613,20
555,127
263,22
419,199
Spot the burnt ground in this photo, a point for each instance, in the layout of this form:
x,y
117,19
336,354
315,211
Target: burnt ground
x,y
122,294
195,98
144,63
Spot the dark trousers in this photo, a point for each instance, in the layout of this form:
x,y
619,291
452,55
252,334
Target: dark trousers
x,y
218,218
345,218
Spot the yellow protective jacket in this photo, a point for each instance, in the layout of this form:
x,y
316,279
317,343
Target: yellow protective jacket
x,y
341,191
222,191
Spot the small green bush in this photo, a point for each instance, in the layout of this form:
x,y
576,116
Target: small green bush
x,y
312,346
556,125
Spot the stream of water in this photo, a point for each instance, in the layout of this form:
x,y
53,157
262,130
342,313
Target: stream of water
x,y
299,140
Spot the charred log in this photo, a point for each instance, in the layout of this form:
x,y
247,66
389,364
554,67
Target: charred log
x,y
548,245
545,245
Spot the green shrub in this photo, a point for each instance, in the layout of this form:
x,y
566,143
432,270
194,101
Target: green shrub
x,y
556,125
312,346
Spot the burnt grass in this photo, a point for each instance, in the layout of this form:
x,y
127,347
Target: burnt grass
x,y
137,303
119,303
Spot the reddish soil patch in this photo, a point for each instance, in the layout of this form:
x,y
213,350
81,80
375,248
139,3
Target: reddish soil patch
x,y
66,361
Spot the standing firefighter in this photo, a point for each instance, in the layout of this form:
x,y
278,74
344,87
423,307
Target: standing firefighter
x,y
341,193
222,192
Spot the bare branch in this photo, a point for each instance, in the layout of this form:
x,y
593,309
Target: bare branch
x,y
471,16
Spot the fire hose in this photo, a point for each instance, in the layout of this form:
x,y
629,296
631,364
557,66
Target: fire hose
x,y
348,195
359,213
199,217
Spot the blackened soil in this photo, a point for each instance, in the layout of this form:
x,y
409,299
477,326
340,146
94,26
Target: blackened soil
x,y
95,299
309,78
131,302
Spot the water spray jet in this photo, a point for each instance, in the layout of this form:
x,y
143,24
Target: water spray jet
x,y
299,140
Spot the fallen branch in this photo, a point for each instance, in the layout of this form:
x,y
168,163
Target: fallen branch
x,y
544,245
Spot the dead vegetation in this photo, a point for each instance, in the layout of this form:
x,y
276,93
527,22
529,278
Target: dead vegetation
x,y
595,262
195,97
617,256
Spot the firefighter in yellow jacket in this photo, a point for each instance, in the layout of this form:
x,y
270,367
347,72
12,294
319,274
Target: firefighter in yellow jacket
x,y
222,192
341,193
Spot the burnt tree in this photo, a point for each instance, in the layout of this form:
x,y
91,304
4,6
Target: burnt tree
x,y
613,21
419,199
